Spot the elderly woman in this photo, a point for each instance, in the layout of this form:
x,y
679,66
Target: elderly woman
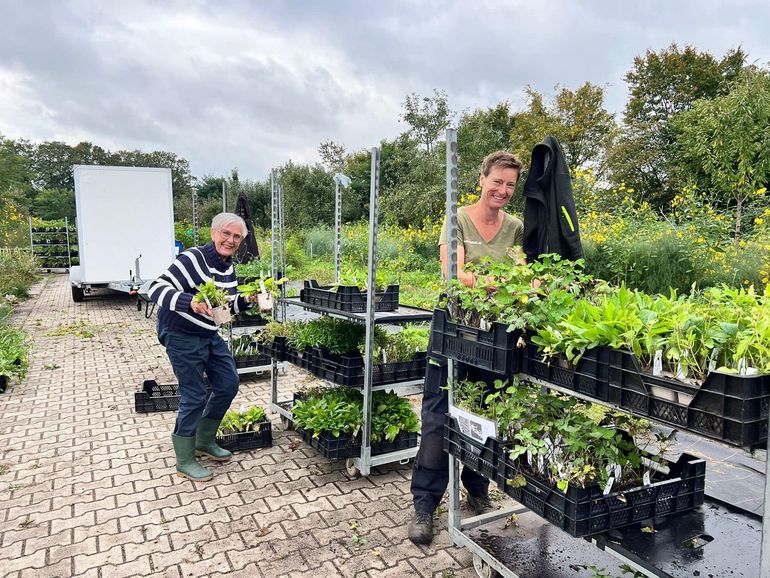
x,y
193,345
483,230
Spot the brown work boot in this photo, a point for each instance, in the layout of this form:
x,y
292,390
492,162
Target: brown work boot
x,y
421,528
480,504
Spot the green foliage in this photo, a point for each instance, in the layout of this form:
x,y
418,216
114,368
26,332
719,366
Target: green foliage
x,y
55,204
319,242
562,439
14,351
18,271
242,421
724,141
339,410
428,117
577,118
661,85
211,294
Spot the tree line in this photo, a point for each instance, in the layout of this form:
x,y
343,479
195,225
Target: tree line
x,y
691,120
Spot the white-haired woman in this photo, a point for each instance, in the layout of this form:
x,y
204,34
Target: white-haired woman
x,y
188,332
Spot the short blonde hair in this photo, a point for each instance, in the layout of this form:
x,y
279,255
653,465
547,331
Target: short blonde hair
x,y
502,159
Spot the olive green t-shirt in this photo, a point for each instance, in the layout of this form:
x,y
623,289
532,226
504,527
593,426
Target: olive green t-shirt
x,y
511,234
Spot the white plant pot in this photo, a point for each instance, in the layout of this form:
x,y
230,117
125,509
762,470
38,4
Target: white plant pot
x,y
663,393
221,314
265,301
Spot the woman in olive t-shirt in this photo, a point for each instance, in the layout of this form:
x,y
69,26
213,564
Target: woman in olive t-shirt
x,y
483,230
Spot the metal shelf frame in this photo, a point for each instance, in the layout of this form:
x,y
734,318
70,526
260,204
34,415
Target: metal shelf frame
x,y
363,463
485,563
41,234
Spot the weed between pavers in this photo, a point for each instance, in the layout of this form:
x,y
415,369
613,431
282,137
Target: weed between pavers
x,y
79,329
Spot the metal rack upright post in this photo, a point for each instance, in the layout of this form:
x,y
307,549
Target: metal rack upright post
x,y
365,461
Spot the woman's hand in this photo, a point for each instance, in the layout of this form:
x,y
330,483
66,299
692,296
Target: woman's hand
x,y
252,297
201,308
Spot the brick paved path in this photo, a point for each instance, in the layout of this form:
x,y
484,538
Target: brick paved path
x,y
87,485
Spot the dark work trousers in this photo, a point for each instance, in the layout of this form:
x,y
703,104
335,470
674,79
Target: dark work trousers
x,y
430,475
191,356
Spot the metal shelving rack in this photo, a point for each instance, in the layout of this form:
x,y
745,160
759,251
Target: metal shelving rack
x,y
732,532
365,461
35,234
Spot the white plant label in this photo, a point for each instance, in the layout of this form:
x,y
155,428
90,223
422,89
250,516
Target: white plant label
x,y
608,485
657,362
646,481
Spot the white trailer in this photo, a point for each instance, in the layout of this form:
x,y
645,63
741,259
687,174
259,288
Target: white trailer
x,y
125,222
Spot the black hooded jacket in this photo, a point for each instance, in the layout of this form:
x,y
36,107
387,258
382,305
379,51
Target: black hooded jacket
x,y
550,218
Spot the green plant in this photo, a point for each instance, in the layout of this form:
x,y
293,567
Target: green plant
x,y
561,439
243,346
18,271
340,411
276,329
264,284
14,351
242,421
209,292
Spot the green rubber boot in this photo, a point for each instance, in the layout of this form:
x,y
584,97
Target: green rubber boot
x,y
186,464
206,443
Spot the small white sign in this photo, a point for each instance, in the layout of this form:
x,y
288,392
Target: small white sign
x,y
472,425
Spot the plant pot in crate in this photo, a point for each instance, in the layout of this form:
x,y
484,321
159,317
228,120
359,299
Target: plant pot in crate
x,y
275,348
260,437
247,320
586,511
496,349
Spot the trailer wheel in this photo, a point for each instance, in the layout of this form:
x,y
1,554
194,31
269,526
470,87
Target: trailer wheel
x,y
77,294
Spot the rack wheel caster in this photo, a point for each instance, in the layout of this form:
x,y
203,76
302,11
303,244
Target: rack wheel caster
x,y
287,424
483,570
351,469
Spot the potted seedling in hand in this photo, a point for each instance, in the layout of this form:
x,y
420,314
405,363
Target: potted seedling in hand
x,y
263,288
217,299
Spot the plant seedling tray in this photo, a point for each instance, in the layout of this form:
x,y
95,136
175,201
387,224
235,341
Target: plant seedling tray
x,y
275,348
495,350
586,511
727,407
261,437
245,320
349,370
482,458
341,448
154,397
257,360
348,298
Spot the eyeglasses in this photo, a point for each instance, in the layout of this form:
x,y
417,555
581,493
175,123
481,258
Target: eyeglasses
x,y
227,234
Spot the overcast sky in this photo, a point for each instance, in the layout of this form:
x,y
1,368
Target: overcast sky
x,y
252,84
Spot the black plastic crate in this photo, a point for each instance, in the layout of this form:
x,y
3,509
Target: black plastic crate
x,y
482,458
275,348
333,448
349,370
495,350
587,511
262,437
728,407
246,320
3,383
305,359
590,376
155,397
347,298
343,447
403,440
256,360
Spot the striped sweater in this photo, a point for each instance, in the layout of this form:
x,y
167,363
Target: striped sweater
x,y
175,288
